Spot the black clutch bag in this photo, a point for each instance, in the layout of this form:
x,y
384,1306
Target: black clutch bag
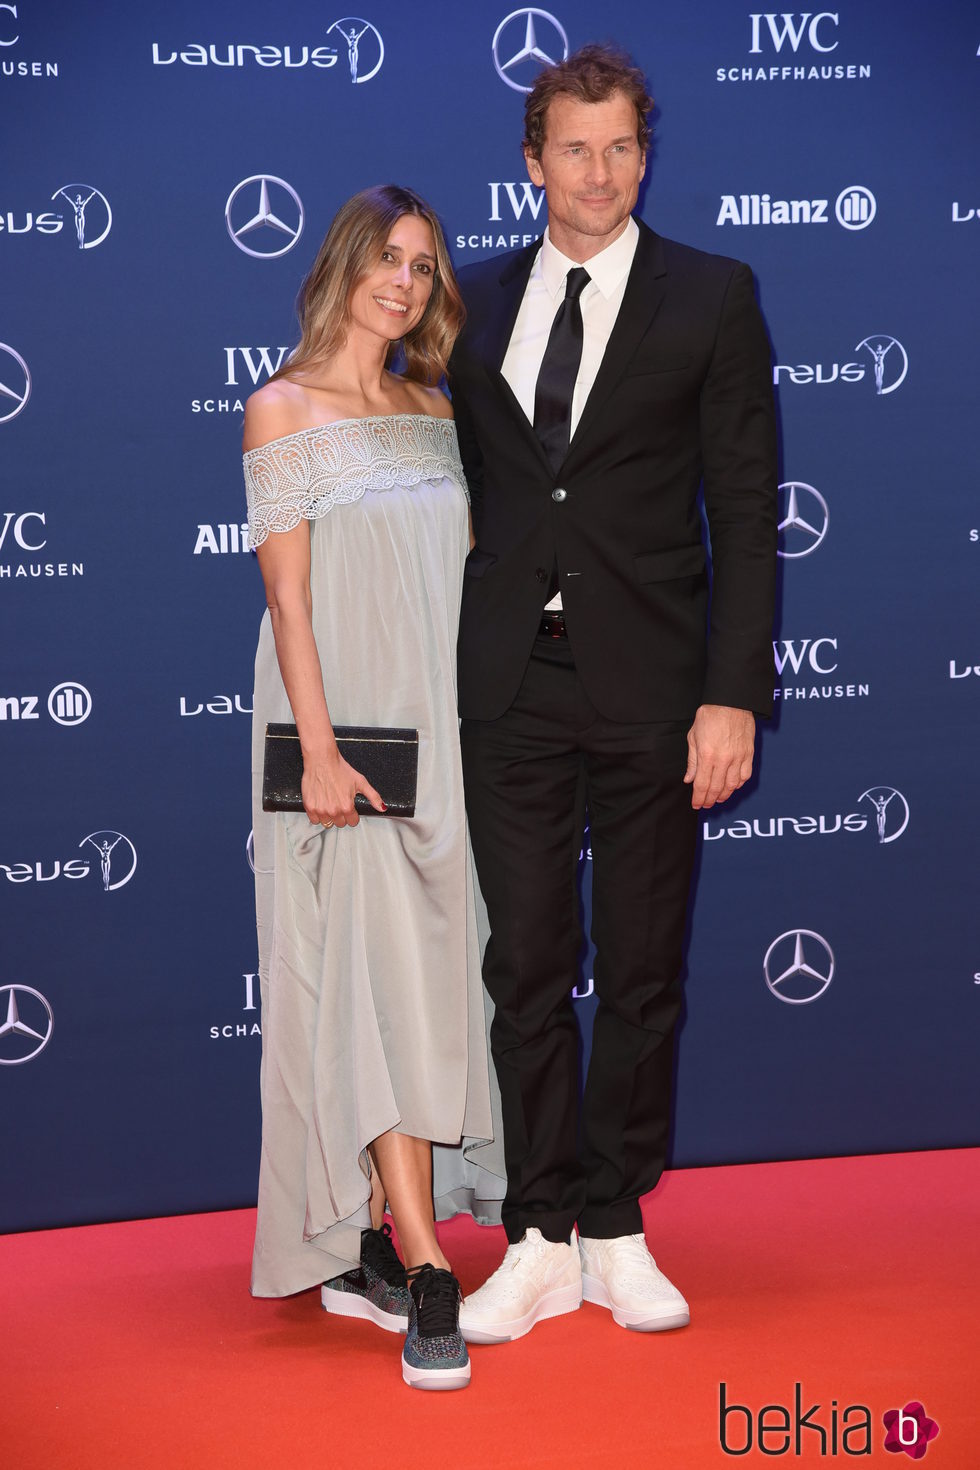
x,y
389,759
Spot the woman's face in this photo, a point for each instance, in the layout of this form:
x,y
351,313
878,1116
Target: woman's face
x,y
391,299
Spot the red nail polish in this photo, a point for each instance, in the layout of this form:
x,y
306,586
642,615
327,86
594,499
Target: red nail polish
x,y
384,806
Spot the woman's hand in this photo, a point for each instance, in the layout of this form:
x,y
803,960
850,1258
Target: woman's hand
x,y
329,787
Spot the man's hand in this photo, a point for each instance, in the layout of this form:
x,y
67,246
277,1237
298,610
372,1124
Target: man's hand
x,y
720,745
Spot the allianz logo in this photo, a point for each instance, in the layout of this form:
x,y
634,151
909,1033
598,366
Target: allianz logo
x,y
69,703
854,208
218,704
887,817
221,540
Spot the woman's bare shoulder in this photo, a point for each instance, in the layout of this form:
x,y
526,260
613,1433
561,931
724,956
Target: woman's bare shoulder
x,y
430,400
271,412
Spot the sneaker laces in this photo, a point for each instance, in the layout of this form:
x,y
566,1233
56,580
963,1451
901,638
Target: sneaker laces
x,y
519,1250
631,1250
378,1252
436,1296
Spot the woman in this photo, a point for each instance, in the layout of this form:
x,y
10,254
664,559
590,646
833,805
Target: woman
x,y
373,1028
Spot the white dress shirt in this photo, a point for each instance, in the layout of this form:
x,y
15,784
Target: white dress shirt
x,y
545,291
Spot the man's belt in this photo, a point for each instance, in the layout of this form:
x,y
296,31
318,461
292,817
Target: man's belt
x,y
552,625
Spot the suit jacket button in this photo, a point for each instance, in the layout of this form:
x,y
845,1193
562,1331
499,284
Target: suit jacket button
x,y
541,574
559,495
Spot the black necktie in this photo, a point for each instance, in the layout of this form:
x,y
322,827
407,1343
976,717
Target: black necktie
x,y
559,369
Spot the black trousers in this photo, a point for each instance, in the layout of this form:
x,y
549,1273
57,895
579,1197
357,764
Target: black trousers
x,y
529,776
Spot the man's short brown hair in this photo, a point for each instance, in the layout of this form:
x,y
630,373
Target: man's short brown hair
x,y
591,74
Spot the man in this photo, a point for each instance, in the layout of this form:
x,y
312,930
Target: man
x,y
601,376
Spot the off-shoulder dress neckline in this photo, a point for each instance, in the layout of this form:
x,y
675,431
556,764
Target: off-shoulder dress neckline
x,y
370,418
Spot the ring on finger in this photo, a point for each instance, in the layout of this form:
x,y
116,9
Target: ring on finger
x,y
326,824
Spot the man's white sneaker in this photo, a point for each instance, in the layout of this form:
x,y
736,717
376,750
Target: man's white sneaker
x,y
537,1278
622,1275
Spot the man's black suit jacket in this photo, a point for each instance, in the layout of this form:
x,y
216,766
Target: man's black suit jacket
x,y
683,394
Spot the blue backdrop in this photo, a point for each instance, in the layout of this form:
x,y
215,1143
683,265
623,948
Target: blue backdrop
x,y
168,174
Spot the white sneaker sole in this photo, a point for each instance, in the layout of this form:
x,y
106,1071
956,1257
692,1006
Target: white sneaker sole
x,y
646,1319
435,1378
346,1304
552,1304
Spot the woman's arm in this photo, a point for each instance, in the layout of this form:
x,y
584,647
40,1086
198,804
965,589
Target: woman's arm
x,y
329,783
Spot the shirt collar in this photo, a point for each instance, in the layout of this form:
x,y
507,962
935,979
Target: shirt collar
x,y
608,269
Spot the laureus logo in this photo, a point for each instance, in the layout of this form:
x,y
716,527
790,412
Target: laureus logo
x,y
117,858
91,214
891,812
889,374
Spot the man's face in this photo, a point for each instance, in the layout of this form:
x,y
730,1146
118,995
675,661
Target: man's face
x,y
591,166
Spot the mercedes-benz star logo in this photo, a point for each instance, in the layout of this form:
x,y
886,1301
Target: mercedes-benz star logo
x,y
793,977
879,346
272,224
117,857
79,197
543,45
804,523
882,798
354,29
15,384
27,1023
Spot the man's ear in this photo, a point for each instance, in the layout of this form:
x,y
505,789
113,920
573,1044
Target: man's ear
x,y
534,169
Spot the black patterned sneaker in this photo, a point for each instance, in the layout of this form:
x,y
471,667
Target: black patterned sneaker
x,y
376,1290
434,1355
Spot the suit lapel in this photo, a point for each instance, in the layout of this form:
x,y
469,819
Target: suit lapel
x,y
493,338
496,333
645,290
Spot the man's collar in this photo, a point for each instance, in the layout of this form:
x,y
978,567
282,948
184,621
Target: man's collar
x,y
608,269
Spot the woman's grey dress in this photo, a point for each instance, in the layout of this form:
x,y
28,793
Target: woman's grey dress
x,y
369,960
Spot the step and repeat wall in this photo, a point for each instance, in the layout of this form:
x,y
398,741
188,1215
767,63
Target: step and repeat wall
x,y
168,173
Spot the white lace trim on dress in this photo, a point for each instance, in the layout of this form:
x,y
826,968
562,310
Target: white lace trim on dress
x,y
304,475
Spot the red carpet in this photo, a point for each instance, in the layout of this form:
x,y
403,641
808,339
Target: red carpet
x,y
137,1346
